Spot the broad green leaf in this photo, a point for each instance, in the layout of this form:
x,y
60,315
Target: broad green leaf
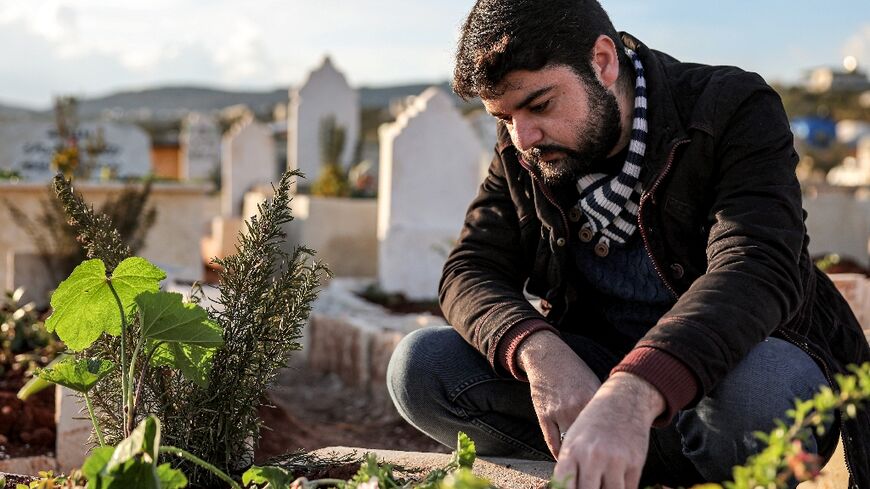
x,y
132,474
84,306
165,317
95,463
170,478
78,375
144,440
275,476
193,361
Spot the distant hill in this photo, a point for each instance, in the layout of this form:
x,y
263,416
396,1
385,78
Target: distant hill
x,y
166,103
12,112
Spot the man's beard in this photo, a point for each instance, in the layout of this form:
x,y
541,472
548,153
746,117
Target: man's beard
x,y
594,141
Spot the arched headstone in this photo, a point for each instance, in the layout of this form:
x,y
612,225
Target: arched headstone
x,y
430,159
324,95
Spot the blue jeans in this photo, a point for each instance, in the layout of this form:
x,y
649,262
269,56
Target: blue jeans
x,y
442,385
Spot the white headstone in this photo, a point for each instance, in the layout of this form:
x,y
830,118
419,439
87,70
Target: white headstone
x,y
429,174
200,147
28,147
485,127
325,94
247,160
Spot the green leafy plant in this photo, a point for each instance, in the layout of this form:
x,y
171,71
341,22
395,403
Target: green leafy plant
x,y
202,372
91,303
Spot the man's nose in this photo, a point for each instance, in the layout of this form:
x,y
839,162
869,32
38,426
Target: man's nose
x,y
526,134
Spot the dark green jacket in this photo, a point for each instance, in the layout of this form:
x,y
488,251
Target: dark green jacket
x,y
720,215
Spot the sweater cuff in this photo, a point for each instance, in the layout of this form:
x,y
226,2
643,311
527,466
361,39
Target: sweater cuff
x,y
506,350
676,383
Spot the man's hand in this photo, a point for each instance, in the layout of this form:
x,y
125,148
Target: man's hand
x,y
562,384
607,444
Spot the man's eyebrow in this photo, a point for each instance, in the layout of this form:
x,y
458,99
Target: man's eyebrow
x,y
526,101
532,96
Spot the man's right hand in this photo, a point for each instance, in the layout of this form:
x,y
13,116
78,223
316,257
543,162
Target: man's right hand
x,y
562,384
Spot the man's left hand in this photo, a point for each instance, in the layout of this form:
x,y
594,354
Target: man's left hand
x,y
606,446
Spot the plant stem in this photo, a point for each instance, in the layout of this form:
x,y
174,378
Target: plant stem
x,y
130,407
142,373
125,394
202,463
94,419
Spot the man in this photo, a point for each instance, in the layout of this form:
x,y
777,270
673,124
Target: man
x,y
652,205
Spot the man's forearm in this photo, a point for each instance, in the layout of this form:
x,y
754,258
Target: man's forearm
x,y
537,347
623,387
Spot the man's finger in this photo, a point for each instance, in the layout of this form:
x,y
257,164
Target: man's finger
x,y
552,437
590,477
565,475
632,478
614,478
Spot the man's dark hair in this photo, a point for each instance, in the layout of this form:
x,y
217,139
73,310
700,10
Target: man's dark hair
x,y
500,36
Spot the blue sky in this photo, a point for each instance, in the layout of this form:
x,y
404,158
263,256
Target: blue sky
x,y
93,47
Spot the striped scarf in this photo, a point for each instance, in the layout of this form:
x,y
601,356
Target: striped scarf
x,y
610,203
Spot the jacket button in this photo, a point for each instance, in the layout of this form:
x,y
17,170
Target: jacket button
x,y
560,242
602,250
677,271
574,214
586,235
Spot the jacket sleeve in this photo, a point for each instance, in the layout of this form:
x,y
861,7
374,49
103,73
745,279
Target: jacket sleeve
x,y
753,283
481,289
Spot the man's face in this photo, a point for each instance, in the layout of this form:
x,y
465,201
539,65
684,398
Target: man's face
x,y
557,121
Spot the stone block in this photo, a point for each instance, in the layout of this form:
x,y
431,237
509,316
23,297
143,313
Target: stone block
x,y
28,465
354,339
501,472
73,430
342,230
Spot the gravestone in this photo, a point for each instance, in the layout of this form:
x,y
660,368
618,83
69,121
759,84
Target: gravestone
x,y
324,95
247,160
485,127
27,148
430,160
200,147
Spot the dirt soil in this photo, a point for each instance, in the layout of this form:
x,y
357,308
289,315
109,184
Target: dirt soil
x,y
316,410
26,428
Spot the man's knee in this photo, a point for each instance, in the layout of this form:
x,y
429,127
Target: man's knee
x,y
719,432
412,374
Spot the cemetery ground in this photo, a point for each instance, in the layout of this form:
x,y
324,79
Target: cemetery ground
x,y
316,410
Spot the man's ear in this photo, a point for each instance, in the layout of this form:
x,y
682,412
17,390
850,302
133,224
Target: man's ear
x,y
605,62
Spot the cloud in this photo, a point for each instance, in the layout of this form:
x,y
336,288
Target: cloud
x,y
242,54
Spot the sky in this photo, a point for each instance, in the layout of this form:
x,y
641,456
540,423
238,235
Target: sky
x,y
95,47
